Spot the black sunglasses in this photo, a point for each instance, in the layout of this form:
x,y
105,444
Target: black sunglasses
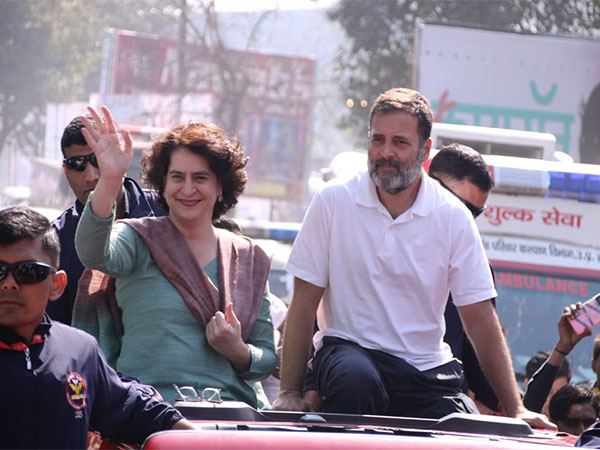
x,y
26,272
470,206
79,162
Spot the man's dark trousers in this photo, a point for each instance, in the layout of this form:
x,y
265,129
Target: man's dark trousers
x,y
355,380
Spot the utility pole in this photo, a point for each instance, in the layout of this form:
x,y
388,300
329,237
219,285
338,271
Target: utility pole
x,y
181,73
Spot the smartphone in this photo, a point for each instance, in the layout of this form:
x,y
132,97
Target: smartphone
x,y
587,316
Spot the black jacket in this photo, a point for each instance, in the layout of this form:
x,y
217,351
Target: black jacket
x,y
64,387
590,438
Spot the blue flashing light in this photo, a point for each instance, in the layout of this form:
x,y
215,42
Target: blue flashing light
x,y
583,187
593,184
558,181
576,182
283,234
278,231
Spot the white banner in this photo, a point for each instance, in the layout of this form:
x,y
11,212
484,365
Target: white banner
x,y
553,219
511,80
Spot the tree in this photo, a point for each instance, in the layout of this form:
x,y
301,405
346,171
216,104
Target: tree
x,y
51,52
235,80
24,41
380,36
54,51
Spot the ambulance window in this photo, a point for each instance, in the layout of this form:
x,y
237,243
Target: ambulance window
x,y
529,306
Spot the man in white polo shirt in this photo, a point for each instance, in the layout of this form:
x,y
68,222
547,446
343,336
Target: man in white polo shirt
x,y
389,245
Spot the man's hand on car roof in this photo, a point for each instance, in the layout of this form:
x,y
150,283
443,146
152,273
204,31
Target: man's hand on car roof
x,y
535,420
292,402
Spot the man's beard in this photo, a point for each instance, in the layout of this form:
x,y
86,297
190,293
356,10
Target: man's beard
x,y
393,177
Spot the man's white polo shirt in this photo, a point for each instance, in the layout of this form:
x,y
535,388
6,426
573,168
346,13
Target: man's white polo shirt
x,y
388,279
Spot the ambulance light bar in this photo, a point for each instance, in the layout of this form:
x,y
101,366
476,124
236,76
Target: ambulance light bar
x,y
546,178
513,180
264,229
580,186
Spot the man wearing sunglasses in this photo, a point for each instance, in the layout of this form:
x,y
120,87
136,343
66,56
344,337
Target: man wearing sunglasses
x,y
55,380
81,171
462,171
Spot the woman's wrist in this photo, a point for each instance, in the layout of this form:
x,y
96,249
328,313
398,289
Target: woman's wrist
x,y
242,358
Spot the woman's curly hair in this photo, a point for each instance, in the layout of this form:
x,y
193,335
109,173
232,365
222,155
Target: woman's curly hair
x,y
224,155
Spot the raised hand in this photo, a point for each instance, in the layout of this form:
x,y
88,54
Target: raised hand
x,y
114,158
114,154
567,338
224,334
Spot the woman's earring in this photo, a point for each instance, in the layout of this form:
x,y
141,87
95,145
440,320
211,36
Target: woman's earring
x,y
220,198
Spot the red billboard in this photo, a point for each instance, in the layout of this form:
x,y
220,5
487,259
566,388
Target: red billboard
x,y
139,82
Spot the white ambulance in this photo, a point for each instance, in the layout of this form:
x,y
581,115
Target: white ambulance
x,y
541,231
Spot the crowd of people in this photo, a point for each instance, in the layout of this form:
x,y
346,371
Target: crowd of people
x,y
393,311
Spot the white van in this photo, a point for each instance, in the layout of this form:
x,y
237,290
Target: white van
x,y
540,231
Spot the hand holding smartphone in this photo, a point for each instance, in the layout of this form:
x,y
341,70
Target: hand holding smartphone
x,y
588,316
